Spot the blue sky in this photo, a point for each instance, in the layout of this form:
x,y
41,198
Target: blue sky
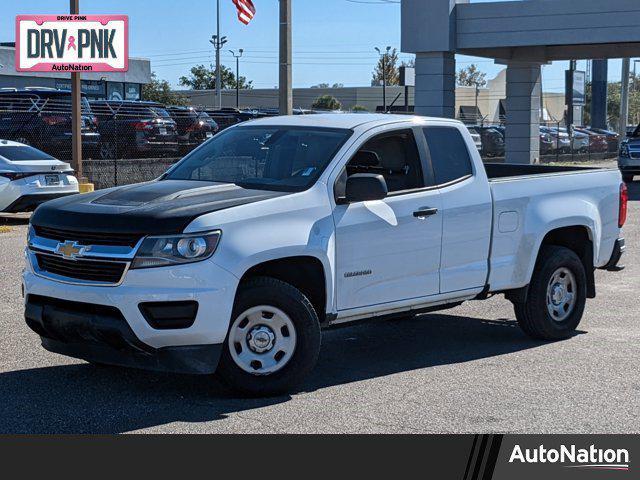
x,y
333,39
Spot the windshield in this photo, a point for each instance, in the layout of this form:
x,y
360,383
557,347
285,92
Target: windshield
x,y
22,154
263,157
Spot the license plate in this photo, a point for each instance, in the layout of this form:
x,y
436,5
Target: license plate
x,y
51,180
162,131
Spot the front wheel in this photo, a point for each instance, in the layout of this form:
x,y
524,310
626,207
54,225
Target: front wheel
x,y
556,297
273,341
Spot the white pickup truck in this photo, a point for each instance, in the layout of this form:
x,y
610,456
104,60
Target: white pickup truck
x,y
236,258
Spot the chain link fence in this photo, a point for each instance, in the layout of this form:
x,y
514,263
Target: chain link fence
x,y
557,143
128,142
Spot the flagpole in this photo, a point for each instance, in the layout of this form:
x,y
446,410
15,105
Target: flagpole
x,y
218,82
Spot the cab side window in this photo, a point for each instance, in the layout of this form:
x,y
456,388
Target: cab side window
x,y
393,155
449,154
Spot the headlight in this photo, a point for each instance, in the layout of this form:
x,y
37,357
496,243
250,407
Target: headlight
x,y
624,150
176,249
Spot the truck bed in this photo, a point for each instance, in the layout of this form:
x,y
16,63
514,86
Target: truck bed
x,y
530,200
507,170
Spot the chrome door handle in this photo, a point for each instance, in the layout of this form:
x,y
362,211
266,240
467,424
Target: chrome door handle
x,y
425,212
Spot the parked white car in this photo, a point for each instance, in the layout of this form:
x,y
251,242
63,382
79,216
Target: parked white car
x,y
236,258
29,177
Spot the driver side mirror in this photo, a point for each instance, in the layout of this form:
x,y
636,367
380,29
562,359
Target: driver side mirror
x,y
365,186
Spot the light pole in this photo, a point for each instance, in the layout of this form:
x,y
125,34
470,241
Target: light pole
x,y
635,78
384,77
237,57
218,42
285,74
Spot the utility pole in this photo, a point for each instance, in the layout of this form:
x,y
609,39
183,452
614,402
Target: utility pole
x,y
218,42
76,111
599,74
286,59
237,57
624,97
384,77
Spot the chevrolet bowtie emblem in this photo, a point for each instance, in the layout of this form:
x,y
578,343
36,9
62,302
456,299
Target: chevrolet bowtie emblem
x,y
70,250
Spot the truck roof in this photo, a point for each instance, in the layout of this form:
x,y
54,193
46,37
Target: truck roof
x,y
342,120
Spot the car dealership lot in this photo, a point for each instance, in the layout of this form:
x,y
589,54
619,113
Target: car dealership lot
x,y
468,369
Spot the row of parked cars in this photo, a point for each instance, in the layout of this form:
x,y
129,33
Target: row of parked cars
x,y
553,140
41,117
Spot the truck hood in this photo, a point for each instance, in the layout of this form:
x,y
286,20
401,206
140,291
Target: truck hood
x,y
153,208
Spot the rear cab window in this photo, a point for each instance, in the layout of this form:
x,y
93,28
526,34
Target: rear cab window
x,y
449,154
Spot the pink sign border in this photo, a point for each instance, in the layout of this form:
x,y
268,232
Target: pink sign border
x,y
96,67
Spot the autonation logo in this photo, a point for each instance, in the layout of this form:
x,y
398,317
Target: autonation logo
x,y
589,458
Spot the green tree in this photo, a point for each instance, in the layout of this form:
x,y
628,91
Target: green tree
x,y
326,102
326,85
389,64
613,103
204,78
160,91
471,77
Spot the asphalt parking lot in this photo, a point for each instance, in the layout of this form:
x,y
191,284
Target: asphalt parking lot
x,y
468,369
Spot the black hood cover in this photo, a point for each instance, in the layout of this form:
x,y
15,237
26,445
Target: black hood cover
x,y
153,208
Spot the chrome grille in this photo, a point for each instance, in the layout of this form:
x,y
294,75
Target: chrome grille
x,y
87,270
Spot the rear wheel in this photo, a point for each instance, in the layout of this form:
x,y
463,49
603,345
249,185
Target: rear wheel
x,y
556,297
273,341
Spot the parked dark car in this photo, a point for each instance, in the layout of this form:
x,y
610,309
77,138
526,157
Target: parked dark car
x,y
597,141
133,129
194,127
41,117
613,138
492,141
226,117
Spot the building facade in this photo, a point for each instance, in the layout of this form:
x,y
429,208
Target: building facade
x,y
489,102
96,85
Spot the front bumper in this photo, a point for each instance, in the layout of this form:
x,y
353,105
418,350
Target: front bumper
x,y
79,312
101,334
629,165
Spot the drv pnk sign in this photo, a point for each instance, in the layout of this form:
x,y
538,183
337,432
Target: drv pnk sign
x,y
72,43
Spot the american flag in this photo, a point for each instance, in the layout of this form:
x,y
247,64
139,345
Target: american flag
x,y
246,10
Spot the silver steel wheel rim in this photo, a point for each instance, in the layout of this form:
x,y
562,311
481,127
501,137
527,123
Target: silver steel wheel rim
x,y
561,294
262,340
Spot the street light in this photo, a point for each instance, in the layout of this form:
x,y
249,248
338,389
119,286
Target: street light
x,y
218,42
384,76
237,57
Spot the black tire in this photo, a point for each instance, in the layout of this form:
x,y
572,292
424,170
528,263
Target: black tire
x,y
533,315
269,291
627,178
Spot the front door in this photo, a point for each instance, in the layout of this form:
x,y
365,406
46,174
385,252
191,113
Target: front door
x,y
389,250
